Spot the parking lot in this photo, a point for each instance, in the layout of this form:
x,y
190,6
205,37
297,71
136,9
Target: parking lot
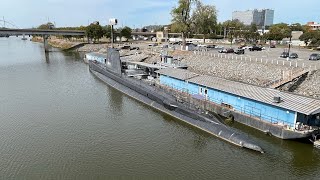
x,y
272,55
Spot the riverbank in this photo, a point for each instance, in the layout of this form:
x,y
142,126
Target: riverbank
x,y
58,43
244,71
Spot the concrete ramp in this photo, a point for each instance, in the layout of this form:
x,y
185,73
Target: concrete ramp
x,y
286,78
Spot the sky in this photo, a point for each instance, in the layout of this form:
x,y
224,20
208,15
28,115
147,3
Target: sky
x,y
138,13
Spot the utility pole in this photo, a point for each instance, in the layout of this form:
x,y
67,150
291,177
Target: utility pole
x,y
230,31
112,22
290,39
4,23
112,36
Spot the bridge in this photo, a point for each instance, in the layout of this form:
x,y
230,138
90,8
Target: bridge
x,y
41,32
45,33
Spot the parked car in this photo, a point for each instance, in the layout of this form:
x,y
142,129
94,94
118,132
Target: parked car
x,y
219,47
263,48
201,45
284,55
255,48
126,47
293,56
153,44
211,46
226,51
314,57
175,43
246,47
272,46
134,48
239,51
165,46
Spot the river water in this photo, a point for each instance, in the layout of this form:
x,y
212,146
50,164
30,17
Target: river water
x,y
57,121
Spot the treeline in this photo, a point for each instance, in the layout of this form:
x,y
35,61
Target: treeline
x,y
194,17
93,32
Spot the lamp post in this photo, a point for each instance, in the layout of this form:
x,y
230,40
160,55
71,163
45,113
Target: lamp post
x,y
112,22
230,28
290,39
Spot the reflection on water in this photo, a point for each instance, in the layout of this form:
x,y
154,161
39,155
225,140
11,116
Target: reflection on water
x,y
59,122
47,55
200,142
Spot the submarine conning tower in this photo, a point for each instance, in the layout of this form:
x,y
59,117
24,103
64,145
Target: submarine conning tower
x,y
113,61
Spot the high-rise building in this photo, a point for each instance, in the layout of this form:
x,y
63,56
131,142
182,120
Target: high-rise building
x,y
260,17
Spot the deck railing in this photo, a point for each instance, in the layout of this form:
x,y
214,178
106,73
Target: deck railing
x,y
207,104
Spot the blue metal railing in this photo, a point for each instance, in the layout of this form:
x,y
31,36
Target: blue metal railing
x,y
250,111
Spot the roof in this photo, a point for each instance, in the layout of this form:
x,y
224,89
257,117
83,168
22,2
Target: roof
x,y
177,73
146,65
97,54
289,101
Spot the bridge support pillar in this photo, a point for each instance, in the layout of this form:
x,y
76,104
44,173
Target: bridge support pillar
x,y
45,43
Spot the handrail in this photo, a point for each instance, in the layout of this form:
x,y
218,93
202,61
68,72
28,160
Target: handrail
x,y
248,110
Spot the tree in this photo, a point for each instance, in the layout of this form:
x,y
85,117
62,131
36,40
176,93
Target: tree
x,y
277,32
312,38
297,27
233,28
306,37
126,32
107,31
94,31
48,25
181,18
253,28
204,18
235,23
281,29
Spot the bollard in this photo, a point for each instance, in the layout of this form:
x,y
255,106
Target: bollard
x,y
283,63
250,59
290,63
302,65
277,61
241,58
214,55
256,59
261,60
232,57
236,57
245,59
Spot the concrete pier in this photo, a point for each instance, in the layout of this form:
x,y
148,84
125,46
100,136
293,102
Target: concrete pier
x,y
45,43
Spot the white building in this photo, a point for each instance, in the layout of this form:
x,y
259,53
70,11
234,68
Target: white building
x,y
313,26
262,17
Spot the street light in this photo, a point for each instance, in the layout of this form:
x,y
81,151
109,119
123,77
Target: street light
x,y
290,38
112,22
231,34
